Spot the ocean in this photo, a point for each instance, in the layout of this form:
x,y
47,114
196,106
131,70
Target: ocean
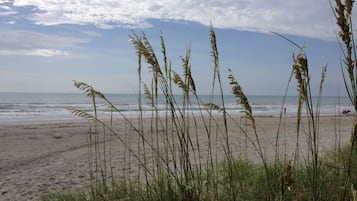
x,y
54,106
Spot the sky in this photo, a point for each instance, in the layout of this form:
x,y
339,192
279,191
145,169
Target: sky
x,y
46,44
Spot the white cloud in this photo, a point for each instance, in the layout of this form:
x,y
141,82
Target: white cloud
x,y
46,53
5,7
91,33
6,10
36,44
303,17
3,13
35,52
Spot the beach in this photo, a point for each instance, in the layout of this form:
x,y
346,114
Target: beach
x,y
38,157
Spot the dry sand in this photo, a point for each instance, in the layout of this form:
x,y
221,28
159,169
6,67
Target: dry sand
x,y
38,157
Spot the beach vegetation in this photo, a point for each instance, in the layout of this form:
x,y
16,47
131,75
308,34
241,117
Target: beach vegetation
x,y
165,158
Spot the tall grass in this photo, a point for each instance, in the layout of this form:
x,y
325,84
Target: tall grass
x,y
185,155
343,14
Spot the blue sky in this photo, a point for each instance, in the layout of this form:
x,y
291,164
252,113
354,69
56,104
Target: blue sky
x,y
44,44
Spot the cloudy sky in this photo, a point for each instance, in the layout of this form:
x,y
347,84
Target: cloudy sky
x,y
45,44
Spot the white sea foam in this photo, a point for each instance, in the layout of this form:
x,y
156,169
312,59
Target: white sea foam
x,y
41,106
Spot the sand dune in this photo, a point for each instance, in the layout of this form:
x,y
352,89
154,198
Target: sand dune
x,y
38,157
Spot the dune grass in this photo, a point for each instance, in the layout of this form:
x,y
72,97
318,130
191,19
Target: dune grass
x,y
170,161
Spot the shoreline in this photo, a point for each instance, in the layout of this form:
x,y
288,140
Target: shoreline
x,y
43,156
147,114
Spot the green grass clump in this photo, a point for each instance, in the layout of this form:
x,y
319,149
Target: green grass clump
x,y
249,180
65,196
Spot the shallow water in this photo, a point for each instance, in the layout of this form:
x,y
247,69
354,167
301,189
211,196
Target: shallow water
x,y
41,106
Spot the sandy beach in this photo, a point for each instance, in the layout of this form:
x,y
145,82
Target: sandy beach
x,y
39,157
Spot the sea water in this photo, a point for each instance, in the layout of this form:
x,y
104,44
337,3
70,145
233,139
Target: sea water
x,y
52,106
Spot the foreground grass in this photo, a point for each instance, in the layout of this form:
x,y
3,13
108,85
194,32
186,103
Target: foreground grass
x,y
249,179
